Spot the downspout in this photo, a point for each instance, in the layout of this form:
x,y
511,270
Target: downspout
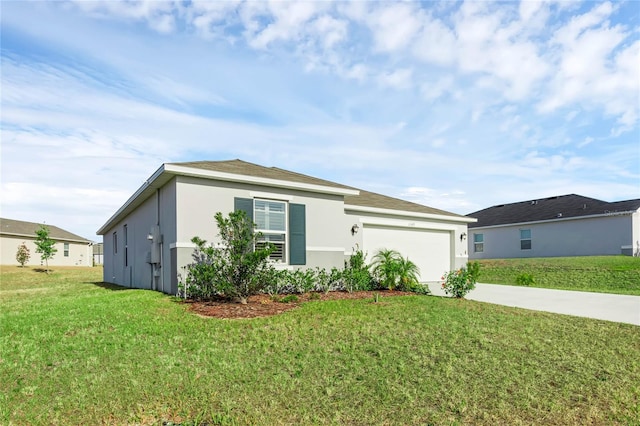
x,y
161,240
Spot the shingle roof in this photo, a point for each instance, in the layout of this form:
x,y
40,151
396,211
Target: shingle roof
x,y
552,208
371,199
240,167
364,199
28,229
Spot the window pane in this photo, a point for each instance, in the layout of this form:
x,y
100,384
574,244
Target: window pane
x,y
270,215
278,240
525,234
478,238
525,245
272,238
478,247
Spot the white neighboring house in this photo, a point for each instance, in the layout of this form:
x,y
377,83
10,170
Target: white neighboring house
x,y
567,225
73,250
312,222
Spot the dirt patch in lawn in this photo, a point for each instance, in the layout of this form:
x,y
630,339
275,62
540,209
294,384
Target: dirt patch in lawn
x,y
263,305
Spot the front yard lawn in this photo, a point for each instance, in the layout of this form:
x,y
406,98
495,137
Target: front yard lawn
x,y
604,274
74,351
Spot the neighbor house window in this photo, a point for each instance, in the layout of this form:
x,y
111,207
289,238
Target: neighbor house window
x,y
270,218
525,239
115,243
478,243
126,246
66,249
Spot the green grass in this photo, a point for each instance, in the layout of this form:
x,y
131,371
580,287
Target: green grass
x,y
76,352
604,274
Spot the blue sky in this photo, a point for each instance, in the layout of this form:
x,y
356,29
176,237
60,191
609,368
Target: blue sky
x,y
456,105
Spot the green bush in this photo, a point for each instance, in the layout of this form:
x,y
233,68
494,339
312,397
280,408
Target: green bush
x,y
236,269
290,298
461,281
391,270
525,279
356,275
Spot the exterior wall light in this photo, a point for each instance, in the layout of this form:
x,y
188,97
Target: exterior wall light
x,y
150,237
354,229
463,236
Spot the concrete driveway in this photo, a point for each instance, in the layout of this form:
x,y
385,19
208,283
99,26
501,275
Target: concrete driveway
x,y
609,307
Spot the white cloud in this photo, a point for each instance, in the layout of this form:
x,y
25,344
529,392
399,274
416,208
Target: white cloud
x,y
436,43
596,68
398,79
420,99
394,25
434,90
289,19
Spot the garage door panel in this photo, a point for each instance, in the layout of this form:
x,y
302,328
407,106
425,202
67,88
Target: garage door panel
x,y
430,250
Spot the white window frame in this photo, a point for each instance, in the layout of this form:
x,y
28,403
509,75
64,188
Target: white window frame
x,y
285,250
522,240
478,246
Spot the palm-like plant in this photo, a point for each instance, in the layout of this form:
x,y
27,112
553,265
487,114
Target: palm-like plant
x,y
408,273
386,267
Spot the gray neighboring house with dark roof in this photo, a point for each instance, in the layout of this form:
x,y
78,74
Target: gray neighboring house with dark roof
x,y
566,225
312,222
73,250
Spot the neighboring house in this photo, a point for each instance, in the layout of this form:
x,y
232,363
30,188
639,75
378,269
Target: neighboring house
x,y
312,222
567,225
73,250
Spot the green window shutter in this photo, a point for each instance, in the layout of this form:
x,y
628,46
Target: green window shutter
x,y
244,204
297,235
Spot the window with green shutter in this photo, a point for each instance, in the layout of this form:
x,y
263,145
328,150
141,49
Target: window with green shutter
x,y
297,235
281,224
270,218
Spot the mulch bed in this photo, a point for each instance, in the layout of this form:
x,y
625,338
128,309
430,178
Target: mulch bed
x,y
263,305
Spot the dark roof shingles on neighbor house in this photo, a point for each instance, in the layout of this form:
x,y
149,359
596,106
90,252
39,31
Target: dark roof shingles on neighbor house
x,y
28,229
564,206
364,199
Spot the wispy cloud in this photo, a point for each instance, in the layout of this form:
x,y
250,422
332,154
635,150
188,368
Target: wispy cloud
x,y
455,105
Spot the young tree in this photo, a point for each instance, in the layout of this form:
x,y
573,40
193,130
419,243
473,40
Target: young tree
x,y
23,254
236,269
45,245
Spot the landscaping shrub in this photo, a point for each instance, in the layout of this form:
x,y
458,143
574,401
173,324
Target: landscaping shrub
x,y
356,275
461,281
236,269
391,271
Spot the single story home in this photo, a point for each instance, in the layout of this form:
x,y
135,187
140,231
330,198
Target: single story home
x,y
566,225
312,222
73,250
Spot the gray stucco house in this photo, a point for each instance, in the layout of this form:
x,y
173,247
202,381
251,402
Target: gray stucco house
x,y
73,250
567,225
313,222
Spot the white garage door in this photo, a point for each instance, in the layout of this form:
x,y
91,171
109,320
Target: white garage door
x,y
429,250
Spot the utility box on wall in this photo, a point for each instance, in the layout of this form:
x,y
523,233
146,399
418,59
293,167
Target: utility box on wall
x,y
156,240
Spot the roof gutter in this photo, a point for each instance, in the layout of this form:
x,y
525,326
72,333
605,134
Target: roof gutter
x,y
404,213
175,170
53,237
147,184
560,219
